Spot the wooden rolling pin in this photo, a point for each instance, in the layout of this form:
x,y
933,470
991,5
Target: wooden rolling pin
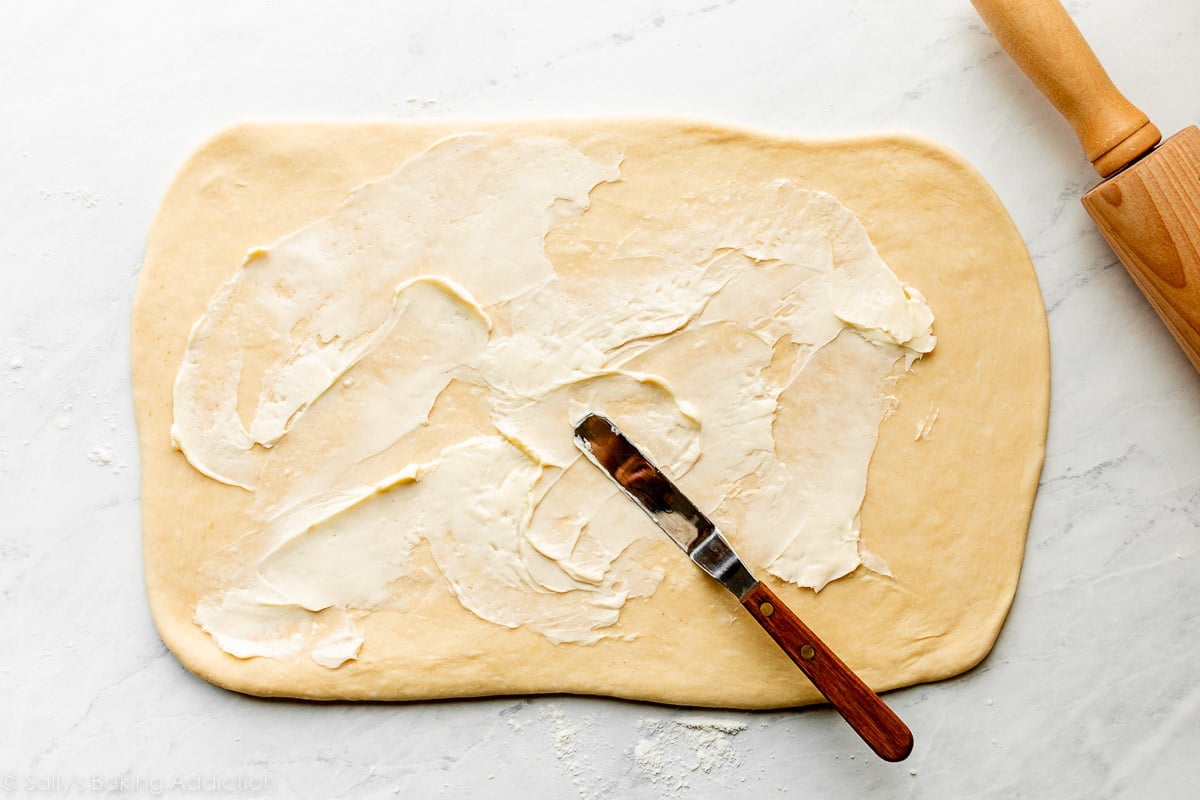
x,y
1149,207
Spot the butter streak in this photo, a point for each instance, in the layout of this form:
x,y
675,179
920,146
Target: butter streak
x,y
409,368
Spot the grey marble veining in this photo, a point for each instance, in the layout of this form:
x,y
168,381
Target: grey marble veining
x,y
1092,689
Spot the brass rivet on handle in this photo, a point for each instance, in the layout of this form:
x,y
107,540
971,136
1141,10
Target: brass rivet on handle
x,y
807,652
766,609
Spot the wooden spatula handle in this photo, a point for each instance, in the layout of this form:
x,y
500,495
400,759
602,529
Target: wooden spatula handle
x,y
868,715
1042,39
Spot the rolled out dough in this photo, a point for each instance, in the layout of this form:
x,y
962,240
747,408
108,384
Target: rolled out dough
x,y
949,493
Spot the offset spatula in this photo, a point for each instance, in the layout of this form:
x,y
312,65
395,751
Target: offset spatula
x,y
605,446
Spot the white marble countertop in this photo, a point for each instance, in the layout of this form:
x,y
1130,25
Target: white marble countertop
x,y
1092,689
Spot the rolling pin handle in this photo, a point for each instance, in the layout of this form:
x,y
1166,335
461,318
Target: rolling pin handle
x,y
1050,50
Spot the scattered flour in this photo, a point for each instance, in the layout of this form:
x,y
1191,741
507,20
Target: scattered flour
x,y
566,736
82,195
676,749
16,363
101,456
104,456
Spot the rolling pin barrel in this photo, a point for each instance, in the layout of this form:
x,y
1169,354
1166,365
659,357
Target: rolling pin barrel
x,y
1150,215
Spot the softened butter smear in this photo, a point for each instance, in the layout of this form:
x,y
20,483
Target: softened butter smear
x,y
406,372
